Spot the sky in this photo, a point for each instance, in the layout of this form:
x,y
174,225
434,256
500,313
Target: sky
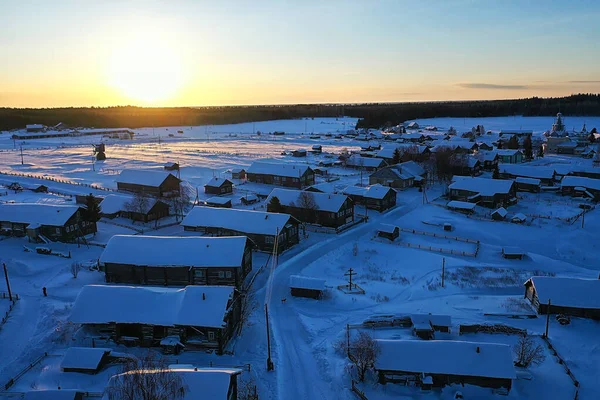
x,y
63,53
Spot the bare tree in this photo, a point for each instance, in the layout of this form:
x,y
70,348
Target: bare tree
x,y
139,203
443,164
75,268
363,353
528,352
179,204
309,206
247,306
247,389
146,378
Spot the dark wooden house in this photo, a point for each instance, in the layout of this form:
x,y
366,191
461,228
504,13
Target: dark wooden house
x,y
87,360
491,193
171,166
216,201
156,183
528,185
204,317
115,205
330,210
365,163
289,175
580,187
569,296
177,261
490,160
238,173
42,222
399,176
303,286
546,175
387,231
218,186
375,197
480,364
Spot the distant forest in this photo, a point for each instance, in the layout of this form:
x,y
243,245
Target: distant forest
x,y
373,115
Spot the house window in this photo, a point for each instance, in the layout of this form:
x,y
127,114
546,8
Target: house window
x,y
221,274
228,274
199,273
68,229
211,336
269,239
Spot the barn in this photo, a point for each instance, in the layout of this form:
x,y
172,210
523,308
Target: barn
x,y
388,231
480,364
157,183
177,261
570,296
303,286
220,202
289,175
486,192
580,186
259,226
204,317
375,197
88,360
546,175
218,186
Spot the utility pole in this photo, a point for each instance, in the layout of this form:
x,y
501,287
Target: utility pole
x,y
7,282
547,319
348,339
21,154
583,219
443,269
270,366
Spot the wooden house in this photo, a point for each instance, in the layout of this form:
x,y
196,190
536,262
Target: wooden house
x,y
586,172
116,205
87,360
569,296
280,174
260,227
41,222
249,199
204,317
461,206
425,325
466,165
408,152
546,175
303,286
82,198
36,188
400,176
509,156
299,153
375,197
238,173
177,261
330,210
317,149
218,186
485,146
171,166
388,231
479,364
499,214
365,163
491,193
513,253
580,187
216,201
528,185
154,183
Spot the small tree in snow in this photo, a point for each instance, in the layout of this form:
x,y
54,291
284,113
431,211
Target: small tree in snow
x,y
179,204
309,206
92,212
397,156
75,268
247,389
363,353
139,203
513,143
528,352
274,205
496,173
528,147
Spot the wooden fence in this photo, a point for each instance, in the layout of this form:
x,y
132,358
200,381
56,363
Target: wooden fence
x,y
496,328
562,362
431,248
358,392
51,179
12,380
13,302
437,235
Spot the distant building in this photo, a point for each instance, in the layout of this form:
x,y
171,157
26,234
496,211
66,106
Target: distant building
x,y
155,183
400,176
281,174
490,160
510,156
376,197
238,173
546,175
528,185
218,186
35,128
115,205
303,286
579,186
569,296
221,202
365,163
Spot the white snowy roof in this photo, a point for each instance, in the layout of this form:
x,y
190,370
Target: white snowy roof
x,y
324,201
62,394
528,181
114,203
516,132
567,292
446,357
278,169
204,306
359,161
483,186
501,211
569,181
35,213
489,155
217,182
218,200
520,217
388,152
152,178
34,126
513,250
438,320
86,358
507,152
461,205
527,171
164,251
376,191
304,282
387,228
412,168
324,187
245,221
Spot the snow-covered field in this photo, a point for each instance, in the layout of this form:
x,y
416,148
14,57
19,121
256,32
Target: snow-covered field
x,y
396,279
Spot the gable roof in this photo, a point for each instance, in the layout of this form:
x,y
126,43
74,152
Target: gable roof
x,y
305,282
85,358
388,152
204,306
218,182
245,221
567,292
356,160
459,358
324,201
36,213
279,169
376,191
483,186
507,152
527,171
153,178
165,251
574,181
114,203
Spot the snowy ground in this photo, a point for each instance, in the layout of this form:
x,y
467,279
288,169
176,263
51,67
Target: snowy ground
x,y
396,279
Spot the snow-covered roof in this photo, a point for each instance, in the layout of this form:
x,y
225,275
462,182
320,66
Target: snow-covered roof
x,y
59,394
573,181
114,203
516,132
200,383
483,186
85,358
218,200
376,191
35,213
501,212
527,171
567,292
165,251
152,178
461,205
245,221
356,160
520,217
412,168
437,320
204,306
507,152
528,181
387,228
324,201
217,182
34,126
238,170
278,169
513,250
449,357
324,187
388,152
305,282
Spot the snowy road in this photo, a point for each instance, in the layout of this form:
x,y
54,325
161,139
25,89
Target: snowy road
x,y
295,362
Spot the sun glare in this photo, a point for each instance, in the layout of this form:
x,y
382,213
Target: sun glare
x,y
146,68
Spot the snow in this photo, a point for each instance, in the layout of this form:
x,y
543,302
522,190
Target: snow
x,y
324,201
305,282
431,319
386,228
501,211
44,214
203,306
568,292
461,205
372,192
218,200
483,186
246,221
459,358
114,203
86,358
575,181
324,187
63,394
165,251
527,171
277,169
356,160
152,178
528,181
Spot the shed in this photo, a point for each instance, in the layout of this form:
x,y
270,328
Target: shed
x,y
388,231
249,199
85,359
513,253
519,218
218,202
499,214
570,296
171,166
317,148
218,186
304,286
238,173
461,206
299,153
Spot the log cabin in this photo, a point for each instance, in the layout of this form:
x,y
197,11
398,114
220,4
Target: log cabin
x,y
156,183
289,175
375,197
569,296
218,186
303,286
491,193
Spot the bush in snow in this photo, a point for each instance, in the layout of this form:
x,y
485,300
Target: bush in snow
x,y
528,352
355,249
363,353
75,268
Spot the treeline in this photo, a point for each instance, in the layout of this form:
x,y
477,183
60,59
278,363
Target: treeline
x,y
373,115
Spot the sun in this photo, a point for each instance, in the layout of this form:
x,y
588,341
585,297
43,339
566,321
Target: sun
x,y
146,68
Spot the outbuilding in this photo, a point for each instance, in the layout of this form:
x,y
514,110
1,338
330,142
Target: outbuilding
x,y
570,296
218,186
513,253
388,231
281,174
89,360
528,185
216,201
304,286
157,183
499,214
238,173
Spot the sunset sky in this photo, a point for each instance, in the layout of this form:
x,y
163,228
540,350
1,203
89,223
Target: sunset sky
x,y
192,53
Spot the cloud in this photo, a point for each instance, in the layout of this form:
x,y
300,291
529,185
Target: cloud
x,y
491,86
584,81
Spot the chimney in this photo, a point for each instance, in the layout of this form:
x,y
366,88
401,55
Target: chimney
x,y
267,216
478,351
204,298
